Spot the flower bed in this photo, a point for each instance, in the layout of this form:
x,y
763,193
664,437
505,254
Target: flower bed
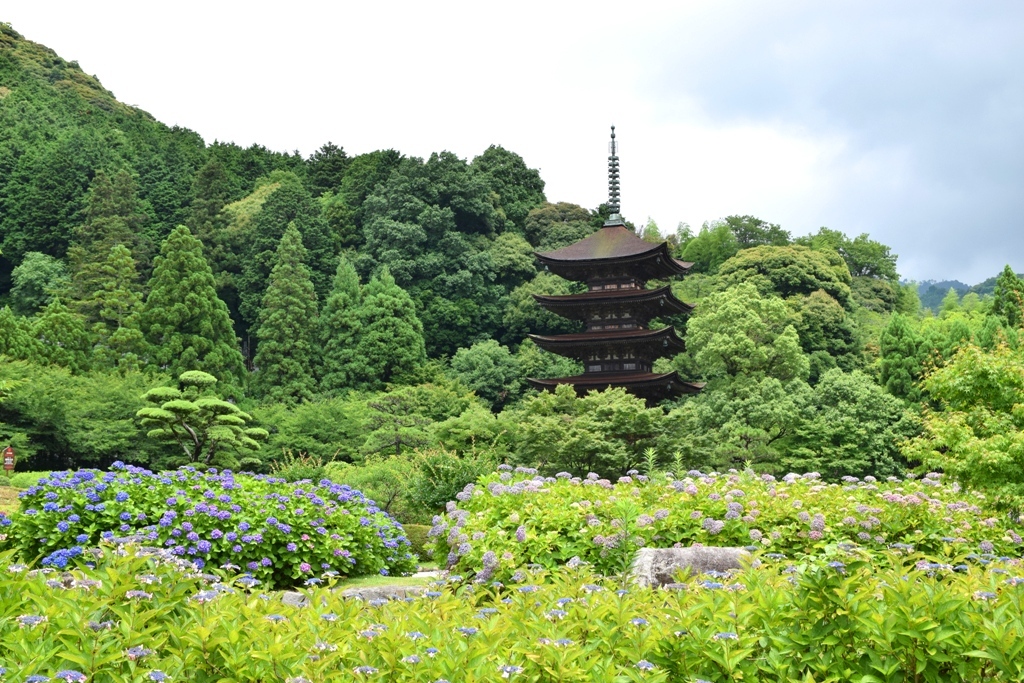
x,y
281,533
143,619
511,519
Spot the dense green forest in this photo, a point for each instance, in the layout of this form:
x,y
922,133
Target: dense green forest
x,y
374,309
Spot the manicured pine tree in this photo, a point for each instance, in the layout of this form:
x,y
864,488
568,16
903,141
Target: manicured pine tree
x,y
287,327
185,324
1008,298
900,348
339,329
390,344
61,338
15,341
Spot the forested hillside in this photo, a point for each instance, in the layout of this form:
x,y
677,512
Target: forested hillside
x,y
360,307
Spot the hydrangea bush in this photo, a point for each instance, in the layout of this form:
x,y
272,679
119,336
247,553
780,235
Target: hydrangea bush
x,y
513,518
280,533
149,619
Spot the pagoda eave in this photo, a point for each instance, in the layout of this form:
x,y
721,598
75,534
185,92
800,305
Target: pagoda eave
x,y
654,303
647,385
647,343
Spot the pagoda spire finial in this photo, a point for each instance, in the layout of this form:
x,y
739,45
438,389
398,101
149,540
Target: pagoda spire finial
x,y
613,182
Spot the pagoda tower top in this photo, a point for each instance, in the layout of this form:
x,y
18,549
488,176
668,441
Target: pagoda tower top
x,y
613,183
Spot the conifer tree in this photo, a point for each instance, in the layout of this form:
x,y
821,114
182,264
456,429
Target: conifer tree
x,y
116,306
185,324
289,203
113,216
391,344
900,349
15,341
287,327
61,338
339,329
1008,298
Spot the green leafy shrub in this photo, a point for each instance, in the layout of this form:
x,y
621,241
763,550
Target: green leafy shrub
x,y
441,475
279,532
418,539
23,480
837,620
520,518
294,468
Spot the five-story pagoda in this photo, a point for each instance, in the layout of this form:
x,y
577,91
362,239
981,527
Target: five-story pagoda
x,y
618,349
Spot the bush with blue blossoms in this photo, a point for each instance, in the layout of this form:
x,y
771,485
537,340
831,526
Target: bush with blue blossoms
x,y
281,533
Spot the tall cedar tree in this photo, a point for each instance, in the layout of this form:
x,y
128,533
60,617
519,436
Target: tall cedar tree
x,y
186,325
1008,298
900,350
287,327
289,203
339,329
61,338
117,304
325,169
113,216
390,346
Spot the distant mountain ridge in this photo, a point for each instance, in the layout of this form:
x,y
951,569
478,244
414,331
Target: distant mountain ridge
x,y
932,292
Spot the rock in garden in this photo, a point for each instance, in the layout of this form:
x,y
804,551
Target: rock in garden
x,y
661,566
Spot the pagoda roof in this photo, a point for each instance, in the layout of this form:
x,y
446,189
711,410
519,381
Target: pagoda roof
x,y
568,344
613,245
595,298
647,385
608,243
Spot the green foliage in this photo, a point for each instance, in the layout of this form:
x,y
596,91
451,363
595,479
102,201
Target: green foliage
x,y
58,419
975,434
853,428
864,256
390,342
23,480
814,622
713,245
900,361
440,475
741,332
523,315
186,325
534,361
15,336
1008,298
37,279
489,369
518,189
327,428
387,481
789,271
604,432
61,338
552,226
287,329
208,430
325,169
750,231
740,421
339,327
288,204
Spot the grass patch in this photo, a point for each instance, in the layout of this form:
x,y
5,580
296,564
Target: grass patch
x,y
8,499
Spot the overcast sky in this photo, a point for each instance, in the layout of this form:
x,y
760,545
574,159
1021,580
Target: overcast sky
x,y
903,120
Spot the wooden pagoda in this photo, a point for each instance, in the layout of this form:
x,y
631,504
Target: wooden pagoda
x,y
618,348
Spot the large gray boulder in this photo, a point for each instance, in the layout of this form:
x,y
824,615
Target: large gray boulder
x,y
661,566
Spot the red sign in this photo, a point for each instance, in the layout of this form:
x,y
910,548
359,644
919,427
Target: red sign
x,y
8,458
